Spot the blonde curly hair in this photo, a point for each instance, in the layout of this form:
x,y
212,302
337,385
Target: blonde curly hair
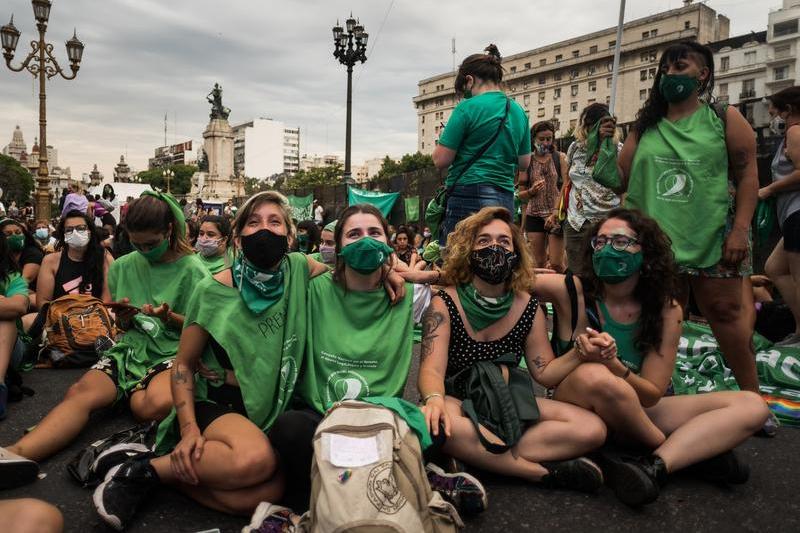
x,y
460,243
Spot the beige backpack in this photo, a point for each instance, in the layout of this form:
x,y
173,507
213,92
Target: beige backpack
x,y
367,476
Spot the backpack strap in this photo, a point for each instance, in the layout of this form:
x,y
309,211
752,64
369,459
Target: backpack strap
x,y
721,110
557,162
572,293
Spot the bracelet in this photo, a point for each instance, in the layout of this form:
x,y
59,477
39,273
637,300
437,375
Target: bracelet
x,y
626,374
438,277
431,395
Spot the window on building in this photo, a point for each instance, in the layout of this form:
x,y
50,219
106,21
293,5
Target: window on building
x,y
608,100
593,49
422,145
781,73
559,57
557,93
573,106
436,130
591,101
592,86
608,82
784,50
610,65
612,44
557,76
574,73
750,58
542,80
748,88
526,100
687,24
643,75
527,66
653,33
543,62
787,27
645,34
423,132
540,112
642,94
591,70
556,110
513,69
574,90
724,63
643,57
651,73
541,96
723,89
422,119
576,53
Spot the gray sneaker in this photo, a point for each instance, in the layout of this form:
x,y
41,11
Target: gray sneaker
x,y
770,427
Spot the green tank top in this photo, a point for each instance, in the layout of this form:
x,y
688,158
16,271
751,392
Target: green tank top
x,y
624,334
679,177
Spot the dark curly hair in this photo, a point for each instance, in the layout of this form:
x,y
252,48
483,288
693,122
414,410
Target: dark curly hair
x,y
657,285
485,66
655,108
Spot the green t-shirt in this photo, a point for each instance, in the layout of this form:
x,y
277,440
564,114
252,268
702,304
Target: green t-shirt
x,y
474,121
15,285
218,262
149,342
360,344
679,177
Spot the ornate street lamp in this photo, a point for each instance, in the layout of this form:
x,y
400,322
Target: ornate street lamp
x,y
349,47
42,64
168,175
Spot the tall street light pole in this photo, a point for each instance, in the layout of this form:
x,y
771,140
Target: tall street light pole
x,y
42,64
349,47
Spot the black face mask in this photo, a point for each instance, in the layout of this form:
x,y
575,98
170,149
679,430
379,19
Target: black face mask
x,y
264,249
493,264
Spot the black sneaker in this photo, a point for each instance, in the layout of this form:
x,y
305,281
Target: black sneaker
x,y
460,489
723,468
124,490
636,480
116,455
15,470
579,474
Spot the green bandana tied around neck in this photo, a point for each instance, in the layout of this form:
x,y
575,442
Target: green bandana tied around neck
x,y
481,311
177,212
259,289
432,252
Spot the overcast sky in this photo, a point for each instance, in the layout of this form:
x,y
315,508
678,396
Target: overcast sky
x,y
145,58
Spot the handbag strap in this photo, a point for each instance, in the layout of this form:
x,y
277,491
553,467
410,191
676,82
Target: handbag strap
x,y
482,151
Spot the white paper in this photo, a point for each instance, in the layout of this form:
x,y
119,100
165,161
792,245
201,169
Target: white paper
x,y
352,451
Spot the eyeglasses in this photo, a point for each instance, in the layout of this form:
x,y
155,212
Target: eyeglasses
x,y
618,242
82,227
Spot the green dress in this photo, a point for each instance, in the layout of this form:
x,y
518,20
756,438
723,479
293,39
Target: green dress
x,y
149,342
360,344
679,177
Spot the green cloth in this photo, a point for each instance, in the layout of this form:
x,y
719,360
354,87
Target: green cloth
x,y
432,252
624,335
473,122
679,177
481,311
301,206
174,206
330,226
412,208
217,263
15,285
408,412
360,344
149,342
265,350
384,201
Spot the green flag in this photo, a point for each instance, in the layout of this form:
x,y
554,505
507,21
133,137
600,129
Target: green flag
x,y
301,206
412,209
384,201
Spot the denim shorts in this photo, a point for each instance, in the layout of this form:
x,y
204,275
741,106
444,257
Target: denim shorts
x,y
468,199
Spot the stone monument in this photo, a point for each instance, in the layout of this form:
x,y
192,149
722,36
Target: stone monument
x,y
219,183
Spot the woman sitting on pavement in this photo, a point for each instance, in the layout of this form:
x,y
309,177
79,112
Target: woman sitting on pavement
x,y
250,361
212,243
152,288
13,304
623,374
488,313
43,237
25,251
404,247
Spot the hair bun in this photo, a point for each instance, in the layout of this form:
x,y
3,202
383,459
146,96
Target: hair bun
x,y
493,52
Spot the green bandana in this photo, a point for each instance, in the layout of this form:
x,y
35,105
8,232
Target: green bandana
x,y
177,212
366,255
331,226
259,289
481,311
155,253
432,253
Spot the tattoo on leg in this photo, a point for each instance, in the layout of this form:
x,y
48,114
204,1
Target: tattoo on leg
x,y
431,321
538,363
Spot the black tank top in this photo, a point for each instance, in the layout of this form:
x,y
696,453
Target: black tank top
x,y
69,277
464,350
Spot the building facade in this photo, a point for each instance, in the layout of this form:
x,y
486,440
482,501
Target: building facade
x,y
175,154
555,82
783,45
264,148
740,70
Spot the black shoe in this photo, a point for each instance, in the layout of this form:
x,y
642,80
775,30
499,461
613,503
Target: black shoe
x,y
116,455
124,490
723,468
16,471
579,474
635,480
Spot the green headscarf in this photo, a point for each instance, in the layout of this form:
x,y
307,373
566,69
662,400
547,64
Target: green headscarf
x,y
177,211
330,226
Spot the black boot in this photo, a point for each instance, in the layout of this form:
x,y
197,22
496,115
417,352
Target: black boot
x,y
126,487
636,480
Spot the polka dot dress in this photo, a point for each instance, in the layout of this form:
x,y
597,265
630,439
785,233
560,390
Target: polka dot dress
x,y
465,351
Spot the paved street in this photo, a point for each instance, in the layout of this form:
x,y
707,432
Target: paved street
x,y
767,503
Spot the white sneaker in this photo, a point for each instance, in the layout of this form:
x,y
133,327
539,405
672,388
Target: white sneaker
x,y
15,470
270,518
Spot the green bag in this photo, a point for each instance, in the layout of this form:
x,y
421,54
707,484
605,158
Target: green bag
x,y
505,409
435,211
764,219
605,171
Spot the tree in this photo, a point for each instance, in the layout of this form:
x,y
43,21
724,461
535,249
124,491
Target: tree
x,y
180,183
408,163
15,180
567,139
327,175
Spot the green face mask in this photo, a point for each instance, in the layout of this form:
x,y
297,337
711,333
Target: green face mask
x,y
302,240
155,253
16,242
613,266
366,255
677,87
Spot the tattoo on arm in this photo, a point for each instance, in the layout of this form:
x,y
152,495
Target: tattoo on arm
x,y
180,406
431,321
180,374
740,159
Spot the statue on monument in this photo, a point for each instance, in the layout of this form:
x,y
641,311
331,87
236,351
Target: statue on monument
x,y
215,99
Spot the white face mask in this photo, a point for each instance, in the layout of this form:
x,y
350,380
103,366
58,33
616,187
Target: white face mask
x,y
77,239
207,247
777,125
